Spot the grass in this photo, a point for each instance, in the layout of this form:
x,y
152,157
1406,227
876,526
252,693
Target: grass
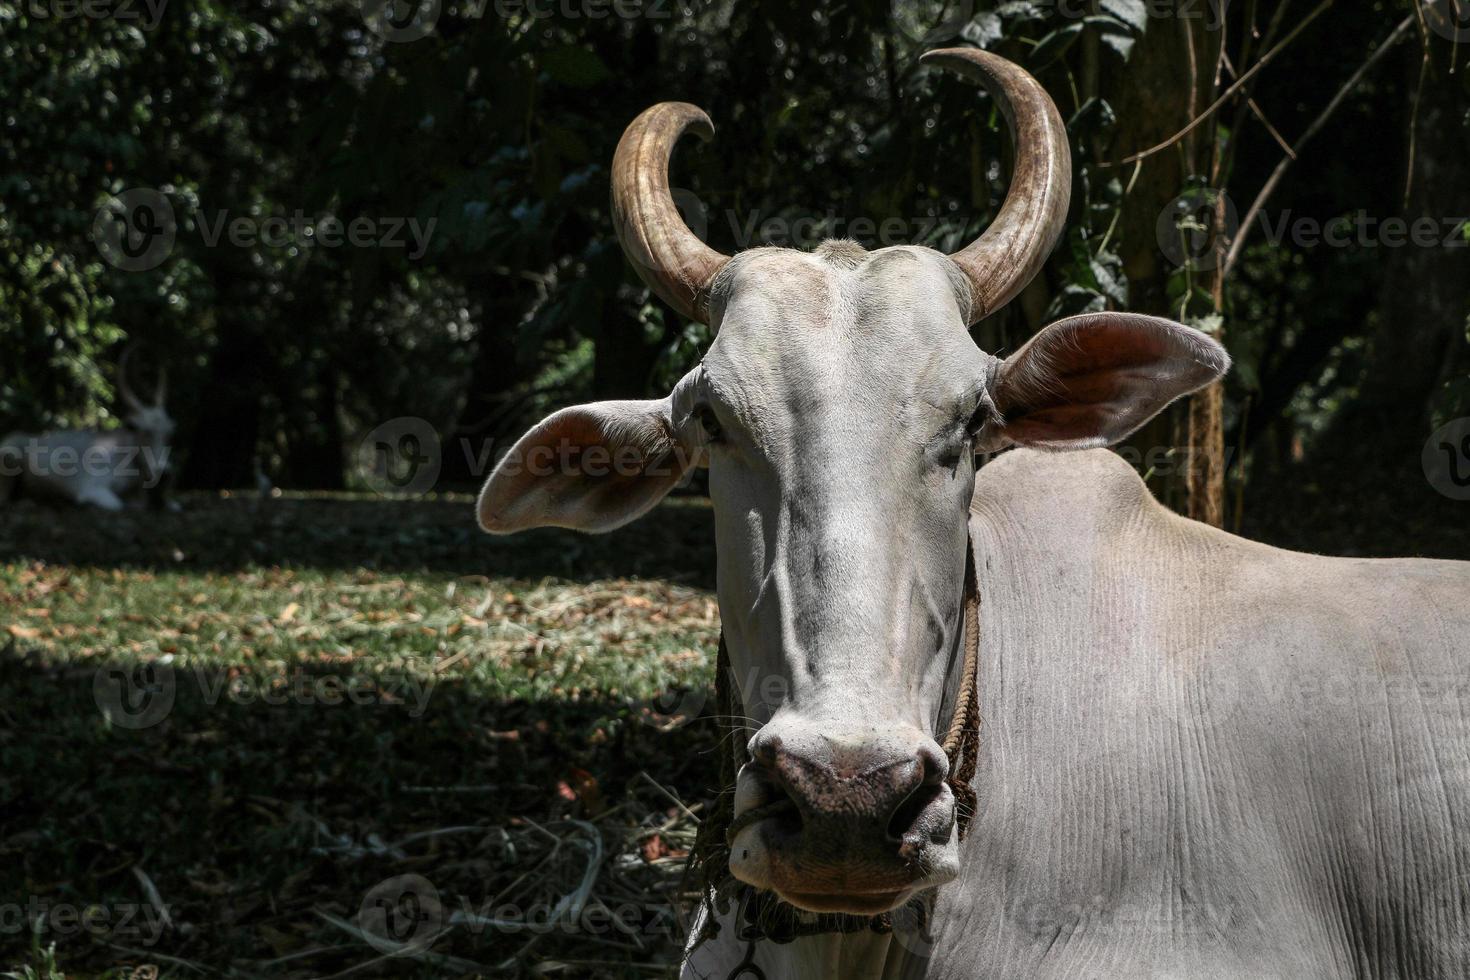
x,y
327,736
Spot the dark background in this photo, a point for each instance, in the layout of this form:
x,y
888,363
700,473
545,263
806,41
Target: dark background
x,y
490,129
497,122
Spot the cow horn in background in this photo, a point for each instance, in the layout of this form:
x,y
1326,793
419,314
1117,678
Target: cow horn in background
x,y
668,256
161,392
1013,249
123,388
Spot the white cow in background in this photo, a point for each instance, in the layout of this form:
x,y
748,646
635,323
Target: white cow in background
x,y
91,467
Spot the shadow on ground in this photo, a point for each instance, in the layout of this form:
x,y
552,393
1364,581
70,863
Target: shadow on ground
x,y
269,830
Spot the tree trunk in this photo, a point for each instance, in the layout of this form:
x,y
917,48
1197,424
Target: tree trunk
x,y
489,420
1166,85
227,427
623,359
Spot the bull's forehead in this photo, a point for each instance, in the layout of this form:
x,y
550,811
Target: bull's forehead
x,y
841,331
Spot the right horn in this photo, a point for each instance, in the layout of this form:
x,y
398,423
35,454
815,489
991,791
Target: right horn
x,y
123,388
1013,249
668,256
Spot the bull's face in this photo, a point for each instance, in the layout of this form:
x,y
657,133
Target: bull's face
x,y
839,411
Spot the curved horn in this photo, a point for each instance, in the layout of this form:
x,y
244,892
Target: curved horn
x,y
123,388
1013,249
668,256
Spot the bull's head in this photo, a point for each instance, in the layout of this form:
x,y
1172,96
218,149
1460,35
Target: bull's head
x,y
839,410
149,420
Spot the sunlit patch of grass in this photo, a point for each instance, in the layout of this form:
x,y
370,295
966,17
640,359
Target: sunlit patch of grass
x,y
262,814
509,638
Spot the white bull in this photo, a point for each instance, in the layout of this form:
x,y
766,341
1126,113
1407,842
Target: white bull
x,y
1198,757
91,467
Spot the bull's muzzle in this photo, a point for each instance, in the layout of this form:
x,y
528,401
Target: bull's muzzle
x,y
843,819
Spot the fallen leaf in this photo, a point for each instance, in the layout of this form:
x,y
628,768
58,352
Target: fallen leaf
x,y
653,848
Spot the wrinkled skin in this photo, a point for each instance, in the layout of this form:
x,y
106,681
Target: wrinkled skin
x,y
839,411
1201,757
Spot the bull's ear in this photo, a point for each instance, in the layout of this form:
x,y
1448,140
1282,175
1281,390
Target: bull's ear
x,y
1094,379
591,468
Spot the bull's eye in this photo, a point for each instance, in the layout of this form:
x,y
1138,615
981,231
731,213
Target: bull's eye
x,y
705,416
984,412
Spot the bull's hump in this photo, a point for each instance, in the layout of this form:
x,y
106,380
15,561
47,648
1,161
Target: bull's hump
x,y
1063,491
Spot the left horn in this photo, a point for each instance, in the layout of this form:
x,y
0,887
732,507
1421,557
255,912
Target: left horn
x,y
1013,249
123,388
668,256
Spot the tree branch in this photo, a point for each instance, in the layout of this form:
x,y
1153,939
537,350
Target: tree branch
x,y
1237,246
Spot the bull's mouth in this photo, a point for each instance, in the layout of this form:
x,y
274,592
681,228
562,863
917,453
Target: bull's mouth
x,y
769,854
858,834
851,903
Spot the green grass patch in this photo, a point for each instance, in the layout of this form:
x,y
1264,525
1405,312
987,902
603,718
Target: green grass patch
x,y
226,734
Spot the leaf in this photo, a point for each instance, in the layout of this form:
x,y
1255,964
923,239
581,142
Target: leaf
x,y
1134,13
1022,10
574,66
653,848
1074,299
1108,283
1121,43
1055,44
24,632
984,30
1096,116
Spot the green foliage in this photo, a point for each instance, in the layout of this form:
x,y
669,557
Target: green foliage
x,y
494,132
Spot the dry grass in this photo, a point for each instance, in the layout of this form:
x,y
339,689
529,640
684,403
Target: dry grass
x,y
504,741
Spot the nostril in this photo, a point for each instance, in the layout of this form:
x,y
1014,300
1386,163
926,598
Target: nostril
x,y
904,820
765,798
934,763
764,748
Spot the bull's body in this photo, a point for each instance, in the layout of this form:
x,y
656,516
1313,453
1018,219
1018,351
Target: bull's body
x,y
1201,757
87,467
